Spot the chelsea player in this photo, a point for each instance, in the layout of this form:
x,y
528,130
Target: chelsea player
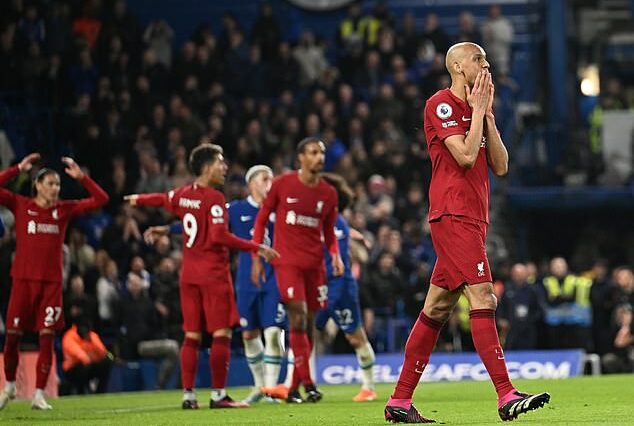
x,y
343,295
258,303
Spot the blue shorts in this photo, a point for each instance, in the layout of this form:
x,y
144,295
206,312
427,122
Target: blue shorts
x,y
260,309
343,306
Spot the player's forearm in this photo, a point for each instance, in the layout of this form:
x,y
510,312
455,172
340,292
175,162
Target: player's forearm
x,y
474,139
329,234
98,196
497,155
8,174
156,199
222,236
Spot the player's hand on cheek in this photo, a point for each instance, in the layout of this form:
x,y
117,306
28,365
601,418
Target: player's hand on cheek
x,y
491,96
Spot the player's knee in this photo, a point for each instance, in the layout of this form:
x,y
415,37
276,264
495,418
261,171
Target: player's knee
x,y
250,334
485,301
194,335
438,312
298,322
273,339
223,332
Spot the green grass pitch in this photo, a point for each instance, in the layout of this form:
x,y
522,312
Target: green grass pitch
x,y
607,400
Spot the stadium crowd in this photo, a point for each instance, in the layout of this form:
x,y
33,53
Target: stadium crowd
x,y
130,108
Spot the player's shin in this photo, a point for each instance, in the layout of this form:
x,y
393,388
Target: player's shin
x,y
365,357
254,351
290,368
418,348
11,356
44,360
273,350
487,344
301,350
219,362
189,362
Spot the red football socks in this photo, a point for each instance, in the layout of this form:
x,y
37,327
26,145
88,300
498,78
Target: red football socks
x,y
44,360
420,343
487,343
219,361
189,362
301,349
11,355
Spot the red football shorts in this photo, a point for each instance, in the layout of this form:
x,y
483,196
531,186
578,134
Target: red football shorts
x,y
35,305
208,307
460,246
306,284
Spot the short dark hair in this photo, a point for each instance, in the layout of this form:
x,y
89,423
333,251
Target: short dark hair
x,y
202,155
301,146
344,192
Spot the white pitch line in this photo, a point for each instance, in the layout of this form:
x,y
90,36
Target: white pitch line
x,y
132,410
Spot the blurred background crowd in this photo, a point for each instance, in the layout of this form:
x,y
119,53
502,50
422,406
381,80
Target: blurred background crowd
x,y
129,98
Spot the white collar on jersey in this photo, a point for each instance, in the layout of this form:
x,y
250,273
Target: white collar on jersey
x,y
251,201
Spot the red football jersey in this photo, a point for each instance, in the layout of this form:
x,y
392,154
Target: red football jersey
x,y
454,190
40,231
302,215
206,236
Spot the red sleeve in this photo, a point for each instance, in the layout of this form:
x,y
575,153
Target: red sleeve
x,y
221,235
98,197
443,117
156,199
269,205
8,174
329,226
219,229
8,198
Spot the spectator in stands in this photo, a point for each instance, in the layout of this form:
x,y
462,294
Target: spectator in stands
x,y
85,358
385,285
604,297
82,255
497,36
434,33
467,28
568,313
266,33
311,59
32,27
158,37
108,289
83,75
165,291
624,279
285,70
620,359
141,332
137,269
78,304
520,311
153,177
380,204
351,33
